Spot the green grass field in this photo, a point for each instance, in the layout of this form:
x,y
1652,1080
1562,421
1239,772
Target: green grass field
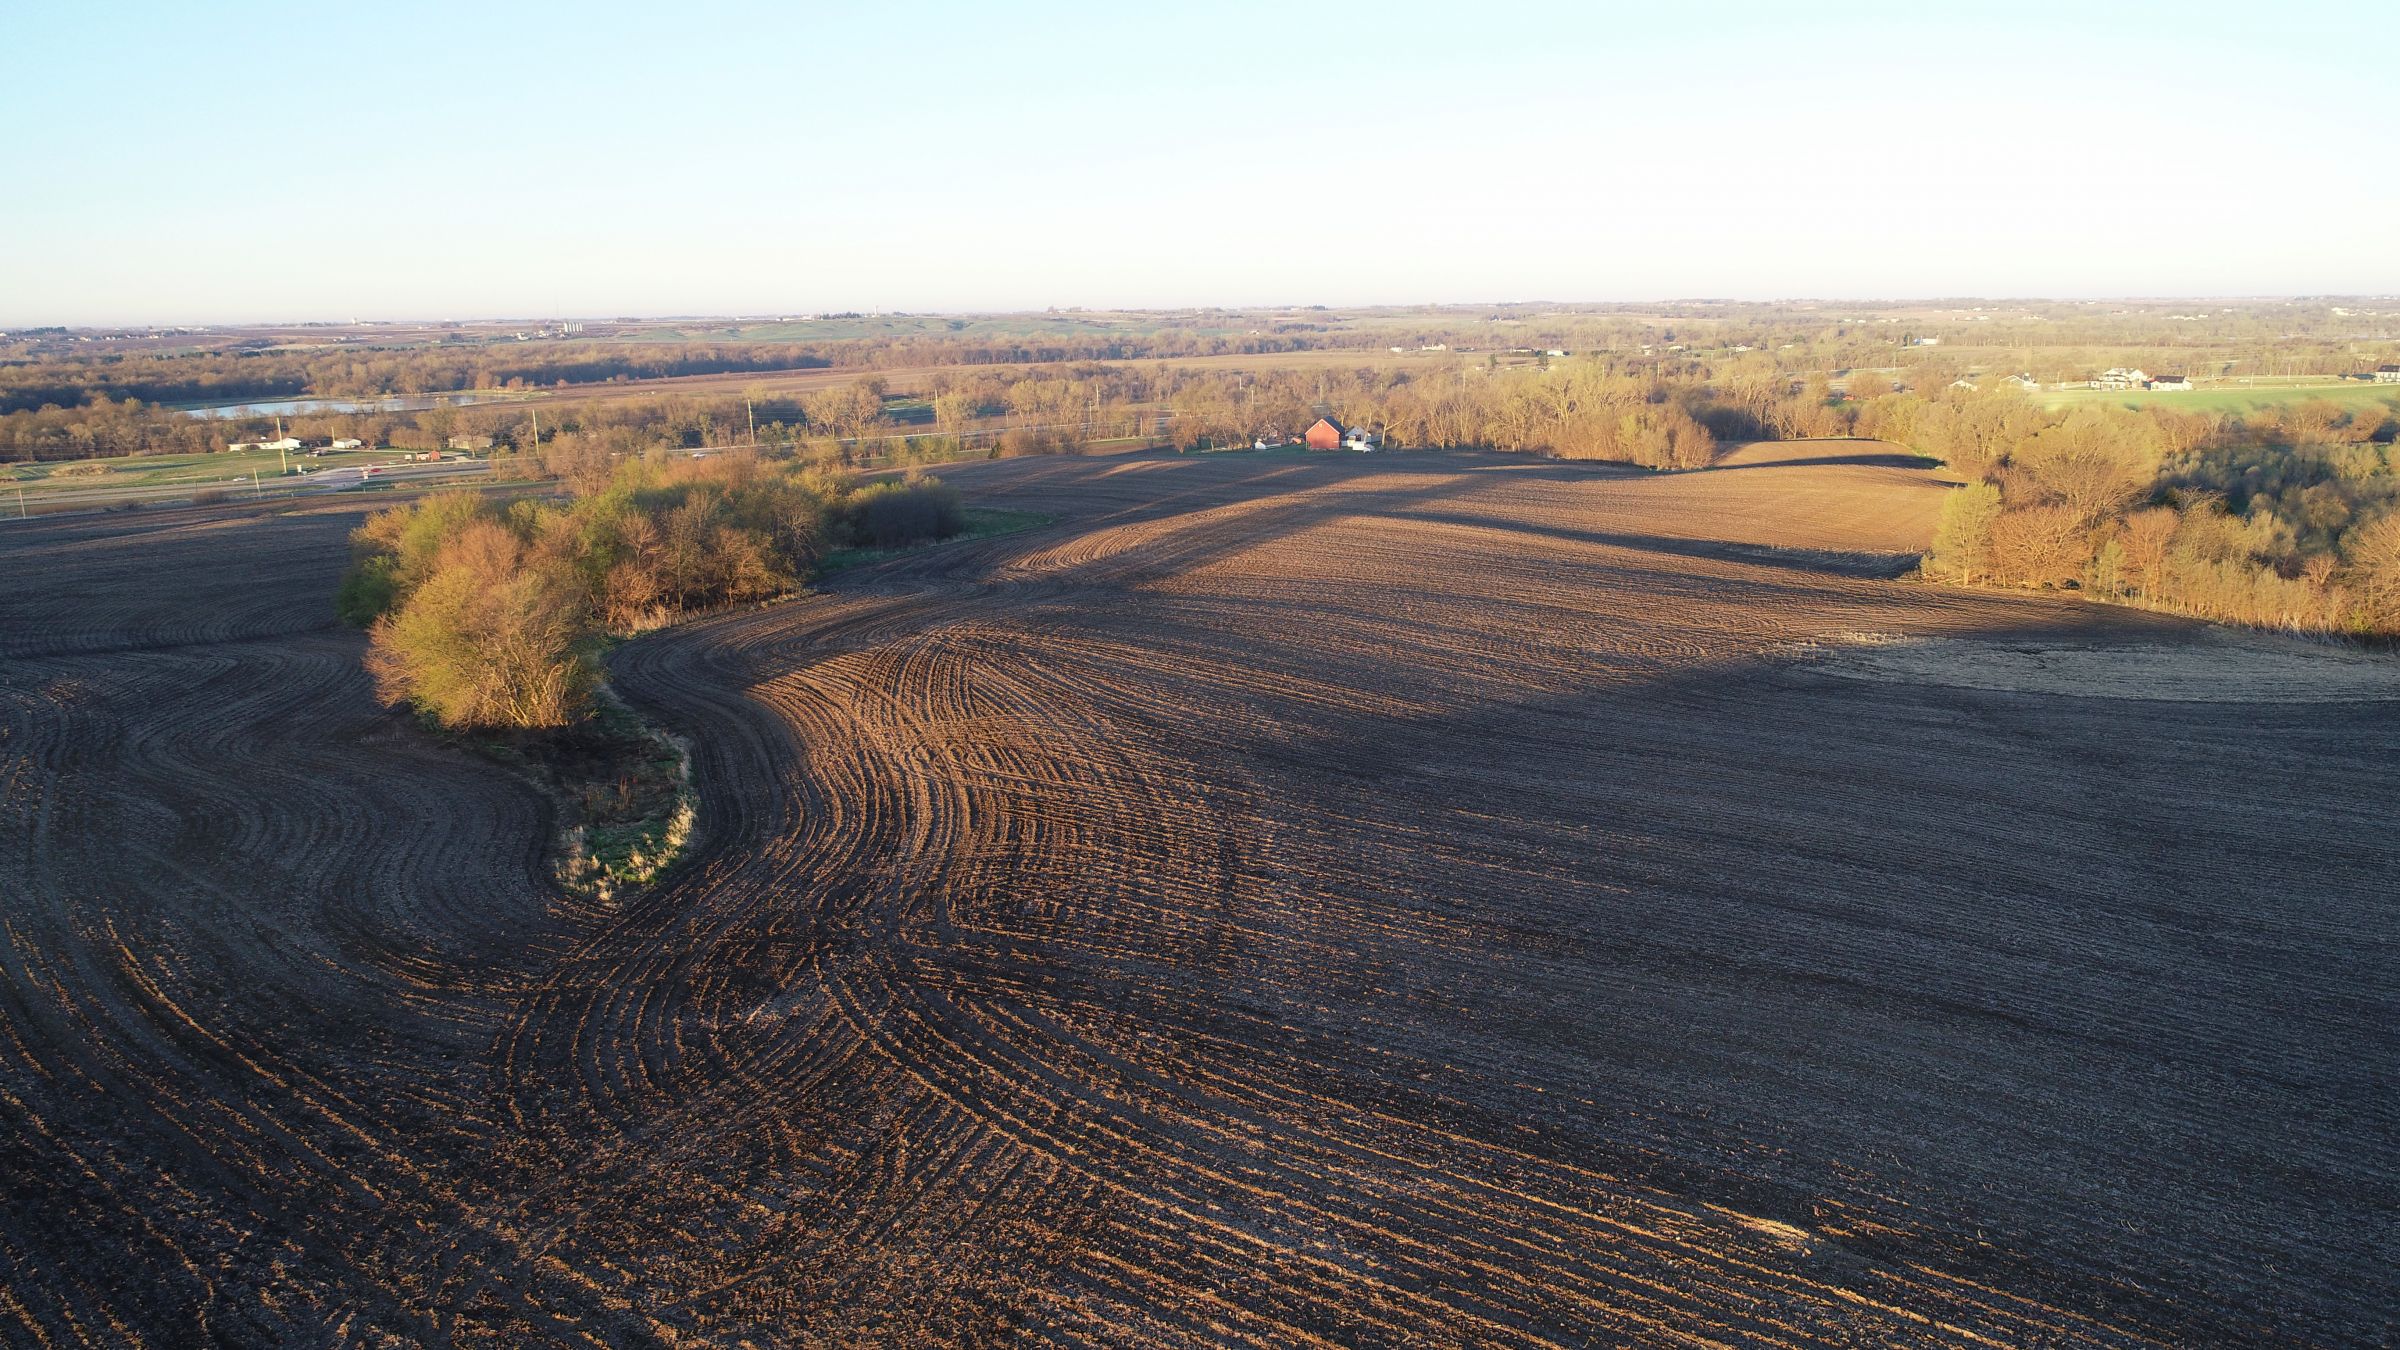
x,y
167,470
2232,398
983,522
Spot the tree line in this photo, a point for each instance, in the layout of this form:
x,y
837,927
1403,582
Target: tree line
x,y
244,375
484,613
2288,518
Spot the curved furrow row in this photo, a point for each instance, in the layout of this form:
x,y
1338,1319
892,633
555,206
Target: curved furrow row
x,y
1287,900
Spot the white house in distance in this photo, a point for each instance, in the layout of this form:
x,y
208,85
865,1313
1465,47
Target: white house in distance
x,y
2171,384
2121,377
2024,382
1359,438
286,443
347,443
2387,374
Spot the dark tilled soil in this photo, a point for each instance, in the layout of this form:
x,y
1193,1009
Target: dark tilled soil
x,y
1395,900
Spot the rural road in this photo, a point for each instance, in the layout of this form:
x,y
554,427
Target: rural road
x,y
1395,900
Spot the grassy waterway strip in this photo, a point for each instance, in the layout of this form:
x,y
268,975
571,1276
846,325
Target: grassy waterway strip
x,y
622,789
983,522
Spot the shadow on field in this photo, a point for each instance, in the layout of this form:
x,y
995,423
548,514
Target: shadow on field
x,y
1871,461
1830,562
1712,876
1234,507
1912,973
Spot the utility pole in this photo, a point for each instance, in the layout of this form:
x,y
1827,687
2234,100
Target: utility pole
x,y
753,415
255,489
537,429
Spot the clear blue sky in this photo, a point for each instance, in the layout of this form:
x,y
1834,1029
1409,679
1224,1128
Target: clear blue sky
x,y
171,162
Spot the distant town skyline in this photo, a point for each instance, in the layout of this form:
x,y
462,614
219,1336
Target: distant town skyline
x,y
284,163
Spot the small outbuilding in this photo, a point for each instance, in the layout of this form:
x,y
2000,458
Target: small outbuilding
x,y
2387,374
2172,384
1324,434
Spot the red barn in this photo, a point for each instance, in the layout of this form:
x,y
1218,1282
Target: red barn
x,y
1323,434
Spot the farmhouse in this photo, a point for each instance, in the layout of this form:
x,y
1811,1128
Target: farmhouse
x,y
2387,374
346,443
285,443
470,442
1323,434
1360,438
2121,377
2024,382
2171,383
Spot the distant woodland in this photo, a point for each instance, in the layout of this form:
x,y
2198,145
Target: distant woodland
x,y
2282,512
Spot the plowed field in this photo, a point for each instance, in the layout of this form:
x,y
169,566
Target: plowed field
x,y
1428,900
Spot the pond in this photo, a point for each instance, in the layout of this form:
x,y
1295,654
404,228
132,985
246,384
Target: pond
x,y
295,407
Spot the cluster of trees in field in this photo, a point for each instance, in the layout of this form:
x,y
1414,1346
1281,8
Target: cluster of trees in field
x,y
488,613
2288,518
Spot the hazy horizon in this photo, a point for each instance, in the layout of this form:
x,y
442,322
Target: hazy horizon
x,y
1287,306
290,165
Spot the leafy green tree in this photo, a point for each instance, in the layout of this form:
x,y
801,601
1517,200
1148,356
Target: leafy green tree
x,y
487,641
1962,539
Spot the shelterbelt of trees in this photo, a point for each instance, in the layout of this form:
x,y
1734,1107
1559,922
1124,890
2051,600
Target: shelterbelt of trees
x,y
484,614
2284,519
